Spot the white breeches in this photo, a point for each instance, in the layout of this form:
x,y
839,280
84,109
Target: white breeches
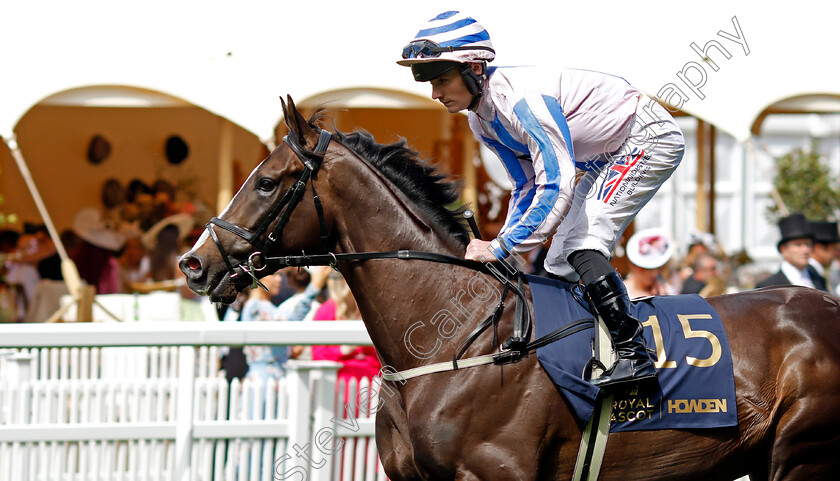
x,y
609,196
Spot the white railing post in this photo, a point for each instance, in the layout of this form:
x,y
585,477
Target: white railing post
x,y
19,368
20,452
300,411
324,439
184,413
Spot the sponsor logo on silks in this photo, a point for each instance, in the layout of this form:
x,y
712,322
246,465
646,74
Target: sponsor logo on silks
x,y
616,173
687,406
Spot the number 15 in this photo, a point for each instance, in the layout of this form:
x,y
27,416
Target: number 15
x,y
662,359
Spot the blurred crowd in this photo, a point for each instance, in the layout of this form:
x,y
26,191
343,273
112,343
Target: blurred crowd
x,y
128,243
297,294
131,244
656,264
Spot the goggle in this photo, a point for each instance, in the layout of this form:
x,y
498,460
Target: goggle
x,y
430,49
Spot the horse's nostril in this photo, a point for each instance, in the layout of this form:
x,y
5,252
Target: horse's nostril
x,y
191,266
193,263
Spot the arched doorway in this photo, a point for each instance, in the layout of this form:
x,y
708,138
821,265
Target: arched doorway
x,y
75,140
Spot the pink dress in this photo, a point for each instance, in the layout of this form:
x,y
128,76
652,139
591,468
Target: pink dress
x,y
361,362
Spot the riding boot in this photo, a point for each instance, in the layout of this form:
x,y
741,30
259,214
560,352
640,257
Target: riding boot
x,y
610,299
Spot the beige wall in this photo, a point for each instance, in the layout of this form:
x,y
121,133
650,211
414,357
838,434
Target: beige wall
x,y
9,174
421,128
425,131
54,141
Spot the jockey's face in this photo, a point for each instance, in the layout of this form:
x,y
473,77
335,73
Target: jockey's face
x,y
451,91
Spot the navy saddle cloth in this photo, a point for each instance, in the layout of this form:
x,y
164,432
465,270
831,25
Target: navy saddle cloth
x,y
695,386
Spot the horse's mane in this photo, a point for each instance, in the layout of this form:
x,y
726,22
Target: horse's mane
x,y
423,183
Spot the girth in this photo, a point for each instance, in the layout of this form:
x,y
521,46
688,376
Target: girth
x,y
510,277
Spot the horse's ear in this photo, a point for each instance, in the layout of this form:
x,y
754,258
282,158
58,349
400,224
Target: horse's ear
x,y
296,122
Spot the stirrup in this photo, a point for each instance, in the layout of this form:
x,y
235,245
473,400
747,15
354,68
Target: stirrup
x,y
648,371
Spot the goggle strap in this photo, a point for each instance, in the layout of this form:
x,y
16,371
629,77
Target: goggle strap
x,y
435,50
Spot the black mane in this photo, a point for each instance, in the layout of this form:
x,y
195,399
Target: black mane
x,y
420,181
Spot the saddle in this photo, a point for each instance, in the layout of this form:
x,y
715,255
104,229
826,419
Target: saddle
x,y
695,386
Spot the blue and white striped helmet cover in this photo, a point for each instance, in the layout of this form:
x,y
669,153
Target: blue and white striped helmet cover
x,y
454,29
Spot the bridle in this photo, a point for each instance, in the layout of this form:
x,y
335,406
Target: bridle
x,y
281,212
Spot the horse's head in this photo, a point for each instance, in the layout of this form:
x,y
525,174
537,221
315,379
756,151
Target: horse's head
x,y
276,210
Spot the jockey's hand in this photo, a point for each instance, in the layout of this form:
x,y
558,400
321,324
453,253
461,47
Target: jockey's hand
x,y
479,250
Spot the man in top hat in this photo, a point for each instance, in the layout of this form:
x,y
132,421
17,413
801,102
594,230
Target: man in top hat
x,y
824,257
795,246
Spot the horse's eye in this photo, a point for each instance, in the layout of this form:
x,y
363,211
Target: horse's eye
x,y
265,184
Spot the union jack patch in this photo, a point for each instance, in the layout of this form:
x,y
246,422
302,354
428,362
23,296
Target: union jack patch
x,y
616,172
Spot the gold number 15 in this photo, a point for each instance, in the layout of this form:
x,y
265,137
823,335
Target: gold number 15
x,y
662,359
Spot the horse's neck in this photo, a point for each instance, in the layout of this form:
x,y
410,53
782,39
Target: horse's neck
x,y
395,295
381,218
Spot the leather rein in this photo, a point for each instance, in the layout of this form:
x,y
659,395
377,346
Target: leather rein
x,y
514,348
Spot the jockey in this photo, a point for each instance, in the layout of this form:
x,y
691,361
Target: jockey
x,y
585,151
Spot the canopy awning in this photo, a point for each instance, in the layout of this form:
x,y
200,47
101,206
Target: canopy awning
x,y
729,61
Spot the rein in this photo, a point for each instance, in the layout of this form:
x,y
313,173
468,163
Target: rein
x,y
512,351
522,318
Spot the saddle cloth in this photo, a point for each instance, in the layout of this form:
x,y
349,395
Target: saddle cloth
x,y
694,388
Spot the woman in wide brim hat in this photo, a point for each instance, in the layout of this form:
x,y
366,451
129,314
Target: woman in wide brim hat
x,y
90,227
96,256
163,241
648,251
650,248
183,222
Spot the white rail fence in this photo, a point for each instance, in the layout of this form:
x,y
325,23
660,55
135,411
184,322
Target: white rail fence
x,y
146,401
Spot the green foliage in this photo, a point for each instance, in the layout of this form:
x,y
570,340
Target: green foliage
x,y
805,185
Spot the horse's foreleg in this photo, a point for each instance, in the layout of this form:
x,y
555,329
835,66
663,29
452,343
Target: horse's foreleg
x,y
394,448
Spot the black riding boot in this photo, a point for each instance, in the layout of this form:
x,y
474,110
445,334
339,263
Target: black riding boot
x,y
609,297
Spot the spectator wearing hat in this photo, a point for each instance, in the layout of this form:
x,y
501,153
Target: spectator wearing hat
x,y
825,253
795,246
163,243
648,251
96,257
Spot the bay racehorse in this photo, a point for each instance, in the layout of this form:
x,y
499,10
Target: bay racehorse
x,y
341,194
